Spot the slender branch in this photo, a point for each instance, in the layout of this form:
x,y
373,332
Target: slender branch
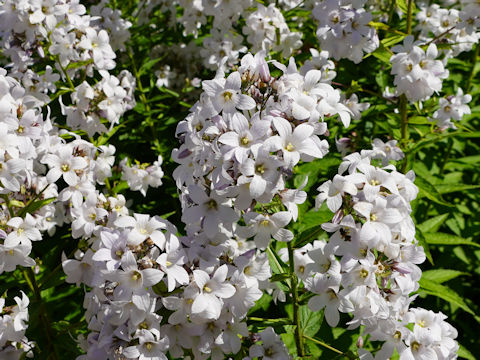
x,y
296,308
409,16
472,70
321,343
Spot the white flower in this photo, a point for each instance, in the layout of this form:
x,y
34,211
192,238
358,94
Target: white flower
x,y
208,303
225,95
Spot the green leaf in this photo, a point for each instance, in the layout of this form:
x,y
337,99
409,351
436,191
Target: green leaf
x,y
450,188
279,277
426,189
421,239
442,275
464,353
445,293
439,238
148,65
433,224
402,5
34,206
310,321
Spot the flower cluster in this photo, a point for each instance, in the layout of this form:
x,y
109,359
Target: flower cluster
x,y
369,265
344,30
13,319
267,30
417,73
452,107
457,27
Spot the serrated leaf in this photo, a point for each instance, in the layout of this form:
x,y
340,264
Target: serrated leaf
x,y
445,293
442,275
310,321
433,224
439,238
426,189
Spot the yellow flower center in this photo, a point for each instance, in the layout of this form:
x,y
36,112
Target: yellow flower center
x,y
65,167
289,147
227,96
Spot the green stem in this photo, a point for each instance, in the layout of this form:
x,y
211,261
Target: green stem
x,y
409,16
296,308
29,276
472,70
403,108
321,343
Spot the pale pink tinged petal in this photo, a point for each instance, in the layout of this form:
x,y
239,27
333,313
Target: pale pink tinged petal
x,y
309,147
367,232
201,278
211,87
281,218
230,138
102,255
197,194
151,276
257,186
221,273
12,240
312,78
332,315
299,112
363,208
33,234
37,17
200,303
15,222
15,165
53,175
172,302
334,203
210,225
290,158
245,102
273,143
135,238
158,239
192,214
233,81
180,275
131,352
370,191
283,235
262,240
228,215
315,303
70,178
239,123
125,221
345,118
283,127
224,291
302,132
248,167
78,163
128,262
391,216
